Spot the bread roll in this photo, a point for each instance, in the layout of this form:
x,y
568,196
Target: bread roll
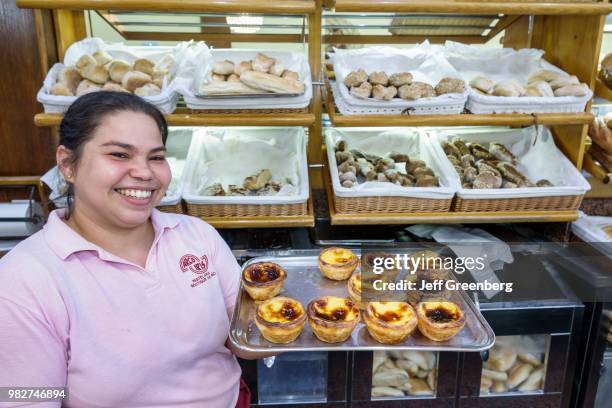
x,y
217,78
544,75
494,375
501,358
482,84
165,64
102,57
509,87
287,74
400,78
564,81
86,86
386,392
147,90
419,387
539,88
117,69
378,78
145,66
518,374
243,67
277,69
61,89
135,79
158,78
393,377
224,67
384,93
272,83
529,358
262,63
113,86
89,69
228,88
572,90
362,91
233,78
533,382
70,78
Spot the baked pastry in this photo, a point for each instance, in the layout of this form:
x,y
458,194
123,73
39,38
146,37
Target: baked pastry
x,y
233,78
262,63
70,78
337,263
482,84
217,78
263,280
354,289
564,81
272,83
277,69
416,90
243,66
332,319
539,88
378,78
572,90
86,86
509,87
280,319
117,69
89,69
287,74
450,85
149,89
224,67
439,320
400,78
102,57
144,65
544,75
59,89
113,86
356,78
135,79
390,322
228,88
362,91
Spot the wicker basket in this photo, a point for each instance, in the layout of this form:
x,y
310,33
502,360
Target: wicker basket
x,y
551,203
176,208
389,204
247,210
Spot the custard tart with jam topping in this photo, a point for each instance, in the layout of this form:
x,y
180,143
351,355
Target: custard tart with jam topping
x,y
280,319
263,280
390,322
354,289
439,320
332,319
337,263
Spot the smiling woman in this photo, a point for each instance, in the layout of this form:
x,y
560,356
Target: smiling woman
x,y
118,302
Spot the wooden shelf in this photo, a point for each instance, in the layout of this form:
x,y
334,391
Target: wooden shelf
x,y
205,119
467,119
202,6
439,218
473,7
264,222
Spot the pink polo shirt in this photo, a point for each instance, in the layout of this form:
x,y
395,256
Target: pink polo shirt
x,y
118,335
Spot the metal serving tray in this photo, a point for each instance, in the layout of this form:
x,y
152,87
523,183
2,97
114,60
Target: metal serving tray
x,y
304,282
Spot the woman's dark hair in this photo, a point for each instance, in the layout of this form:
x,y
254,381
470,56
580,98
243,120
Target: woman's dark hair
x,y
86,114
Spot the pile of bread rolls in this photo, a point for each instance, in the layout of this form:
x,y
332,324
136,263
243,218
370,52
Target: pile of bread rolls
x,y
383,87
511,369
600,130
403,373
100,72
355,166
544,83
262,74
481,167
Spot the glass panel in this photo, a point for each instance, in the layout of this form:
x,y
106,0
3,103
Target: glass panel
x,y
294,377
604,389
404,374
516,364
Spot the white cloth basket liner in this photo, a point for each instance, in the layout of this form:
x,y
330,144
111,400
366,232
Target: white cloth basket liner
x,y
506,63
382,141
177,145
538,158
589,228
199,62
228,155
425,63
165,101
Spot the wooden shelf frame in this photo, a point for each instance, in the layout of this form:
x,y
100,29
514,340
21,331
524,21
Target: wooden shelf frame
x,y
202,6
205,119
439,217
474,7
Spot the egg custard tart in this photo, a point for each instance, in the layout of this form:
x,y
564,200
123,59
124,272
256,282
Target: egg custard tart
x,y
354,289
390,322
332,319
337,263
280,319
263,280
439,320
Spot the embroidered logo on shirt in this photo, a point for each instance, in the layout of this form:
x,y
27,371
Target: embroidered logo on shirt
x,y
199,266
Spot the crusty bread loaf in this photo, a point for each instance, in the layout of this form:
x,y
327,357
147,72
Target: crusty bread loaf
x,y
272,83
228,88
